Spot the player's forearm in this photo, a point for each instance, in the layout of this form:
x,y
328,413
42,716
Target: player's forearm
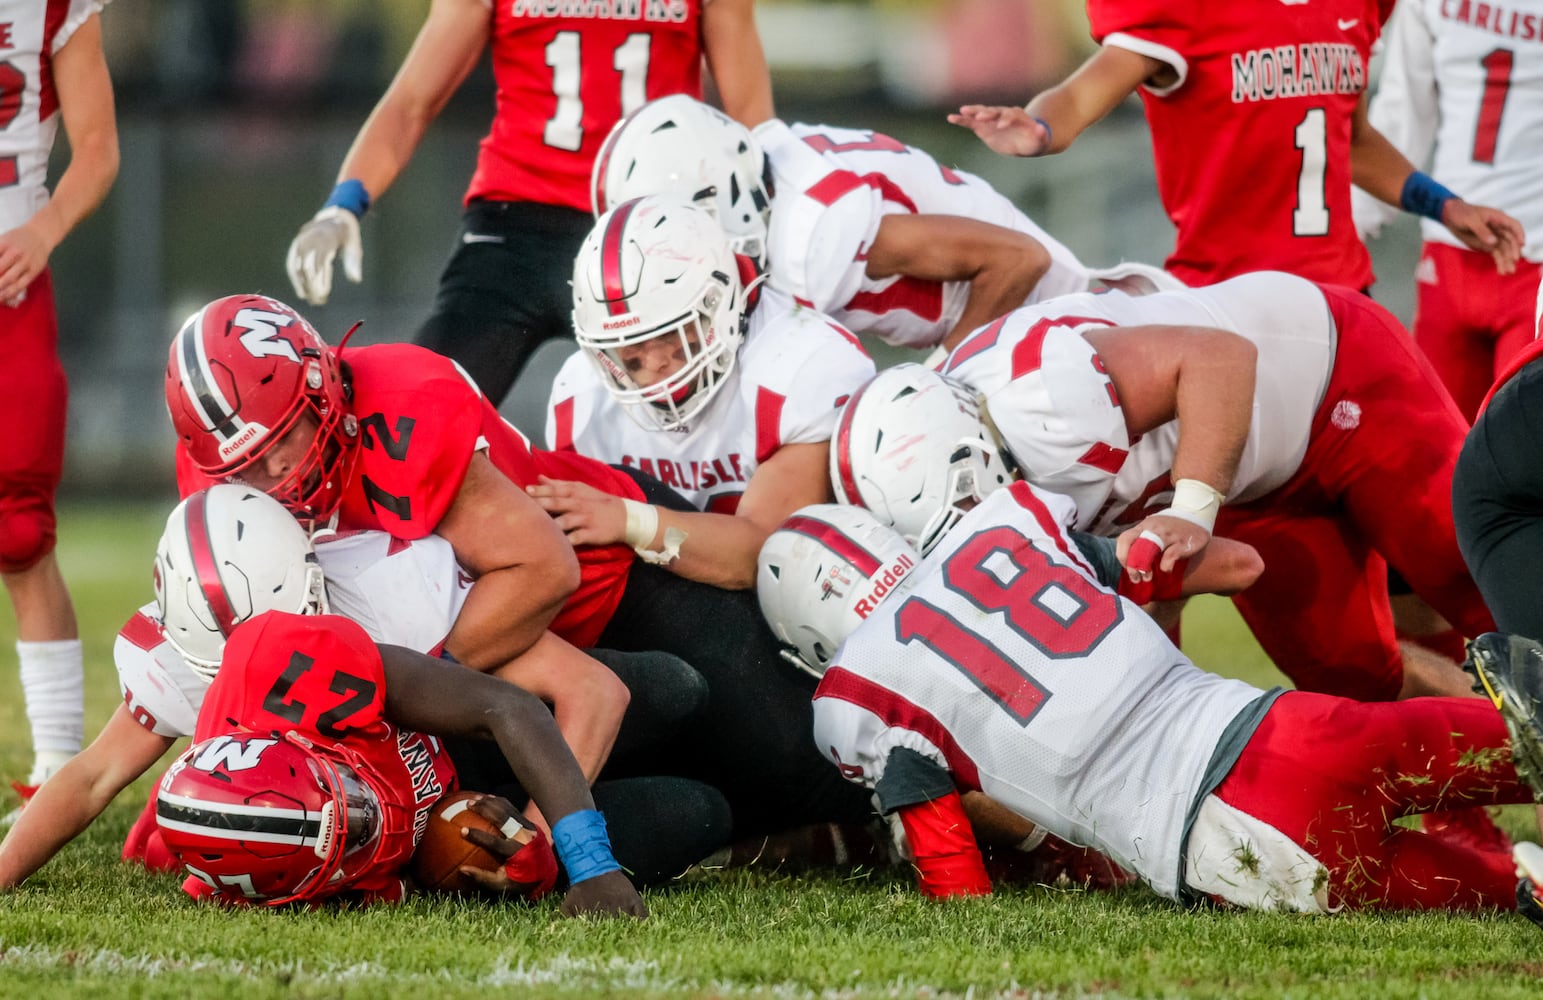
x,y
1215,403
1225,566
541,760
383,147
81,188
60,811
999,289
1095,89
737,61
719,549
1376,165
506,613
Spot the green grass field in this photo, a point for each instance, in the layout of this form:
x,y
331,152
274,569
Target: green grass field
x,y
88,925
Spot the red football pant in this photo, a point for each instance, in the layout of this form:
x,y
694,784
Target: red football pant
x,y
33,401
1333,774
1376,484
1469,320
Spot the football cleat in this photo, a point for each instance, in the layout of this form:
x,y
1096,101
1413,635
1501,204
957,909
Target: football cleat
x,y
25,792
1529,867
1471,827
1509,670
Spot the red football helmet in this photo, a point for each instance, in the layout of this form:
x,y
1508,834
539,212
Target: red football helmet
x,y
243,371
273,818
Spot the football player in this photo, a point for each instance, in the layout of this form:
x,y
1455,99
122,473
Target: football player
x,y
1475,94
360,727
564,74
393,437
230,553
51,69
1002,664
694,371
855,224
1281,99
1295,417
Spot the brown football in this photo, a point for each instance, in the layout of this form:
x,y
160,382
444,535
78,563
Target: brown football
x,y
442,851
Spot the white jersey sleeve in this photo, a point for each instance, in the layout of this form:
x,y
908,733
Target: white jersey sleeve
x,y
159,689
1043,386
809,366
823,221
404,593
578,398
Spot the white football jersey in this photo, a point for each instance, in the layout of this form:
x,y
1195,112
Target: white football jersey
x,y
1003,660
1468,79
31,31
402,593
832,188
794,371
1045,389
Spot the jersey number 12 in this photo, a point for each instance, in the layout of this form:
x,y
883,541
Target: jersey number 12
x,y
565,129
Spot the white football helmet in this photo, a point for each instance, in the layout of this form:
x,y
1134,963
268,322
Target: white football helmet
x,y
658,267
678,145
824,571
911,447
229,553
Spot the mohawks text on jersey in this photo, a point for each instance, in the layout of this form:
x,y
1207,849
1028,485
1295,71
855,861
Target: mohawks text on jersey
x,y
1297,71
609,10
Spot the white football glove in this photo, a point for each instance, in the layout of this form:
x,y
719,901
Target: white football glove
x,y
314,248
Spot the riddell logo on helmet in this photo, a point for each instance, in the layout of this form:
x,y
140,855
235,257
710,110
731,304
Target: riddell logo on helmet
x,y
621,324
238,444
883,584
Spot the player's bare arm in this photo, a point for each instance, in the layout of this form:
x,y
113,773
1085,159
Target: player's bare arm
x,y
587,699
1203,377
421,695
1002,265
1055,117
74,797
524,567
737,61
445,51
719,549
1378,168
86,108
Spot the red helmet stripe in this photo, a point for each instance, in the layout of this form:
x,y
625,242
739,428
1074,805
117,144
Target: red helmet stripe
x,y
205,569
615,291
832,538
848,481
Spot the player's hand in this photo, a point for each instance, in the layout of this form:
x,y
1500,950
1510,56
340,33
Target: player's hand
x,y
1488,230
1159,542
309,263
608,895
23,256
1009,131
529,866
586,515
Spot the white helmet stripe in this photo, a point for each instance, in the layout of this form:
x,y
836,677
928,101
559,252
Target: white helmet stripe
x,y
199,384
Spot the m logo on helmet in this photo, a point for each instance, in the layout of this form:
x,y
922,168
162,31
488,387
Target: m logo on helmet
x,y
227,754
260,334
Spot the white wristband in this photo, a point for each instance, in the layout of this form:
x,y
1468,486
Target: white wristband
x,y
1195,502
1033,840
642,523
642,526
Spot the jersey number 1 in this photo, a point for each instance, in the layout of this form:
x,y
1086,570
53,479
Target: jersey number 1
x,y
565,129
1311,216
12,85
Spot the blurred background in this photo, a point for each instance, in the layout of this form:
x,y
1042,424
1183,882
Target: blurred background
x,y
235,114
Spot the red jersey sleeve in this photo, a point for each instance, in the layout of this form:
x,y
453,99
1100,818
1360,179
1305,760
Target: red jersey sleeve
x,y
1166,24
189,479
420,422
319,675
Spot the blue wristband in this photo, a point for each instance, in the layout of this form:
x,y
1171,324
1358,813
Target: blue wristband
x,y
1049,136
1423,196
350,195
583,846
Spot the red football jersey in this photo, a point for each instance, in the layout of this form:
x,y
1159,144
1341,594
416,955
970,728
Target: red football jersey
x,y
1252,143
420,422
565,73
321,676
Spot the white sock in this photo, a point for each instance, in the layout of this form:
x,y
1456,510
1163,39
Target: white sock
x,y
53,683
